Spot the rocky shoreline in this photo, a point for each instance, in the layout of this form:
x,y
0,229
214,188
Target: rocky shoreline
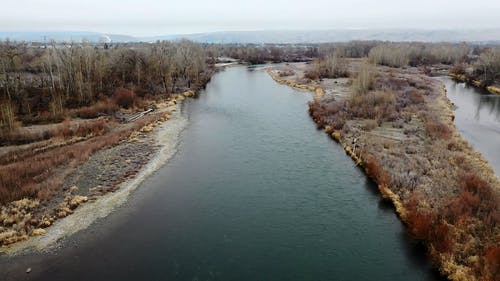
x,y
97,186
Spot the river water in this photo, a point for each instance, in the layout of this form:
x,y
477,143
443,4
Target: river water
x,y
477,117
255,192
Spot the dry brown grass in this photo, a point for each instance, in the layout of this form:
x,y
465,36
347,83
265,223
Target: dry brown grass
x,y
435,128
369,124
41,175
443,190
105,107
63,130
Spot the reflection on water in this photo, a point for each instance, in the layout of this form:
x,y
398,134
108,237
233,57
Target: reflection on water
x,y
477,117
486,106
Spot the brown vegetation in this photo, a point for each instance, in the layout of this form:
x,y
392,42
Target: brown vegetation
x,y
59,104
482,72
124,97
41,177
414,54
400,125
63,130
40,84
33,177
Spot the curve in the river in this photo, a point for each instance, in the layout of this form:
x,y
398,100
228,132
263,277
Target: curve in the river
x,y
255,192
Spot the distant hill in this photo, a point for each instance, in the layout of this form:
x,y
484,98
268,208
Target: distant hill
x,y
272,36
322,36
64,36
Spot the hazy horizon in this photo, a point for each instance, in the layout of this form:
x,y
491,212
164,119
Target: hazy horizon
x,y
155,17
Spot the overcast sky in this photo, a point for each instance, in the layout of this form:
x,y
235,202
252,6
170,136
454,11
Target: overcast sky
x,y
156,17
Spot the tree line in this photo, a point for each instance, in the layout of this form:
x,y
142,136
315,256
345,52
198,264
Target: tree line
x,y
38,80
53,78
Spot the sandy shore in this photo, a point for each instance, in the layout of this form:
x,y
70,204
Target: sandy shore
x,y
121,177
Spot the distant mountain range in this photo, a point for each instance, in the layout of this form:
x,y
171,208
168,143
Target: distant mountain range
x,y
272,36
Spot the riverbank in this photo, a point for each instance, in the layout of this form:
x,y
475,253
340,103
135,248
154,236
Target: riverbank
x,y
476,83
97,185
401,131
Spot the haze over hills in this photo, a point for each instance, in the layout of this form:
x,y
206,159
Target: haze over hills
x,y
272,36
341,35
64,36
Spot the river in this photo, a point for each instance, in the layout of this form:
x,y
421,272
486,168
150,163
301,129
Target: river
x,y
477,117
255,192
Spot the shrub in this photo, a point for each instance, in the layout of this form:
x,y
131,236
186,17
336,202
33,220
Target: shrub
x,y
365,80
312,74
435,128
373,105
416,97
124,97
440,238
375,172
286,73
481,199
473,183
328,112
420,225
463,206
333,65
458,69
105,107
492,263
391,54
369,104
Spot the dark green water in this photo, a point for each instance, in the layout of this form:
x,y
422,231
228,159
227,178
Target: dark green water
x,y
255,192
